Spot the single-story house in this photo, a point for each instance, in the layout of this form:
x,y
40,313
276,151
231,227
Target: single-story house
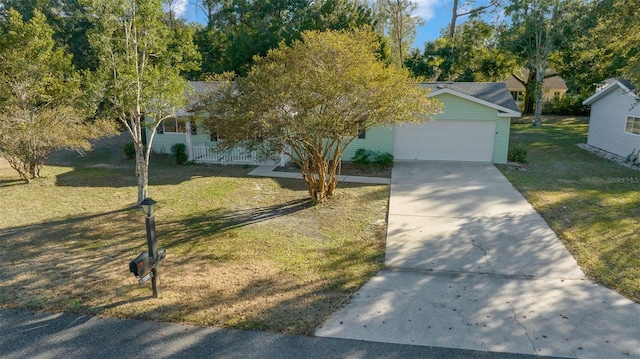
x,y
552,86
614,123
473,126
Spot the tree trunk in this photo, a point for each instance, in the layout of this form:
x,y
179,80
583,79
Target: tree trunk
x,y
20,167
142,172
544,42
321,175
529,92
454,19
537,119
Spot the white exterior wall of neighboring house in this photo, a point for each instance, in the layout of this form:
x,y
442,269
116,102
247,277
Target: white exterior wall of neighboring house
x,y
608,121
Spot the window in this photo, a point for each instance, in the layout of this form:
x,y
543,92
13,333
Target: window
x,y
633,125
176,125
362,132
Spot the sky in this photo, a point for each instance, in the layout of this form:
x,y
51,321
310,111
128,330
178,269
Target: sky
x,y
435,14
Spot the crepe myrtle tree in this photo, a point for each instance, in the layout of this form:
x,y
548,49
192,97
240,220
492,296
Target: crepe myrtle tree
x,y
138,77
310,99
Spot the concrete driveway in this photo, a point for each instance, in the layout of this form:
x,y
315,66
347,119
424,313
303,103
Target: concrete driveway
x,y
471,265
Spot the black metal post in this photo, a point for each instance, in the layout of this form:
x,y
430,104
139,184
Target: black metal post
x,y
152,244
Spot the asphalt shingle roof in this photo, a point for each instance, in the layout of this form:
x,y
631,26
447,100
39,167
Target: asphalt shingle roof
x,y
493,92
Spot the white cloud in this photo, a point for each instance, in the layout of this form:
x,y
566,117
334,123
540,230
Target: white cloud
x,y
426,8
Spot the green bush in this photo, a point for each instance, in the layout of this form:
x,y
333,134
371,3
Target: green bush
x,y
368,159
517,154
568,105
362,157
130,151
179,153
384,159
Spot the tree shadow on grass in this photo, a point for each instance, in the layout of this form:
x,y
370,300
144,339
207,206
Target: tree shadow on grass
x,y
273,300
65,263
219,220
10,182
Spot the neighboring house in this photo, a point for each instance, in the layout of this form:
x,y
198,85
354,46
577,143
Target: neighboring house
x,y
552,86
473,126
614,123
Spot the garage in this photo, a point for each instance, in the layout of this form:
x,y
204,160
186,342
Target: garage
x,y
472,125
445,140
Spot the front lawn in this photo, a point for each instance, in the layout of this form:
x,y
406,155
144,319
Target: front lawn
x,y
242,252
591,203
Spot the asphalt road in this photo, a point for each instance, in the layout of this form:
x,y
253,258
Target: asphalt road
x,y
28,334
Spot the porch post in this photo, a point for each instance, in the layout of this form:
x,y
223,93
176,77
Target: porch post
x,y
187,129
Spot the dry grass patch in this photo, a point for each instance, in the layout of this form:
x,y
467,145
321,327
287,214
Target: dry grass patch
x,y
591,203
242,252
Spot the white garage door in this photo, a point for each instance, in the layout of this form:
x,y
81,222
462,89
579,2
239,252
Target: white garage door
x,y
445,140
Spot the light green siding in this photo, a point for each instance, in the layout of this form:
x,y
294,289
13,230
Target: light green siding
x,y
381,138
377,139
501,141
457,108
162,142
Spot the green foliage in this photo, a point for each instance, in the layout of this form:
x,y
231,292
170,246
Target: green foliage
x,y
471,55
142,55
367,159
396,21
567,105
179,153
617,34
517,154
337,15
229,45
598,43
41,104
534,34
129,150
67,19
312,98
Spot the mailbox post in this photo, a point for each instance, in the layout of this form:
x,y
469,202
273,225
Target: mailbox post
x,y
148,207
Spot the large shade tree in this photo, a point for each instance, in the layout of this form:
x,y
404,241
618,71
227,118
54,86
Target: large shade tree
x,y
68,20
138,77
618,31
236,31
469,8
398,22
472,54
312,98
41,104
533,35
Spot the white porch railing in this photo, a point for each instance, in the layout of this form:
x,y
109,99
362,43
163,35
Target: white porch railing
x,y
237,155
209,154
